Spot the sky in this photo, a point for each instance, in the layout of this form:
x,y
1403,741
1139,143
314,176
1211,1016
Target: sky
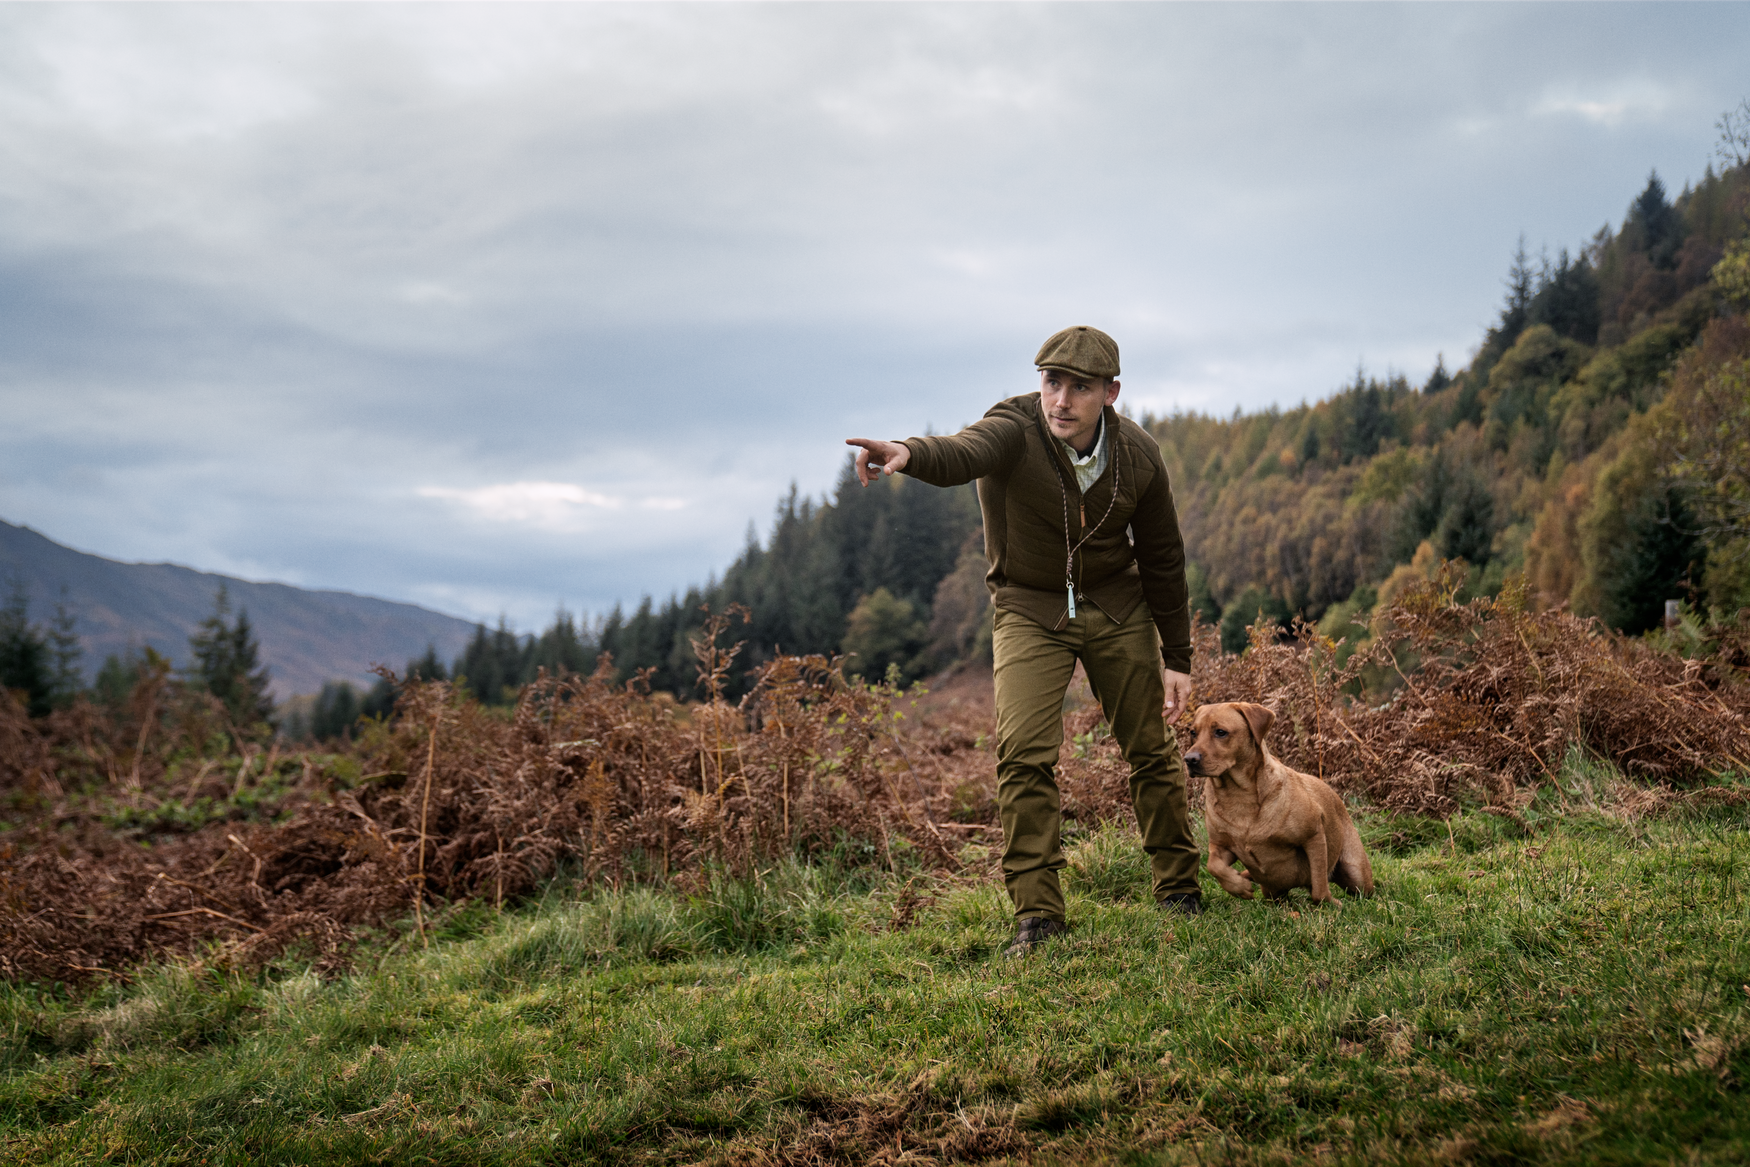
x,y
501,308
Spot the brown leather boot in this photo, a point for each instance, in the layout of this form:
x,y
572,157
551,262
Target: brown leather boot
x,y
1034,930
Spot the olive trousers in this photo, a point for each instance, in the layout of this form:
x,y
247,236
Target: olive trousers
x,y
1033,669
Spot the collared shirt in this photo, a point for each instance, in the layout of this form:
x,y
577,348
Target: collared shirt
x,y
1089,468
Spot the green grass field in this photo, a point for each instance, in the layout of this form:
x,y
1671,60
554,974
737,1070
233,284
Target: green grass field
x,y
1580,993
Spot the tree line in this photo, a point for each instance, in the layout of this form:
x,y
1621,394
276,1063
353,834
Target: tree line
x,y
39,663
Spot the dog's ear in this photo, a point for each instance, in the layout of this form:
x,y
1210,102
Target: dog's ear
x,y
1259,718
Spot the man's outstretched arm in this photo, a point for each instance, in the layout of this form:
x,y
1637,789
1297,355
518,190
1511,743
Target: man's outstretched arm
x,y
878,457
984,447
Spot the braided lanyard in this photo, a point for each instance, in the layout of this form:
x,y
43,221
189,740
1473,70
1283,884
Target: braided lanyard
x,y
1069,565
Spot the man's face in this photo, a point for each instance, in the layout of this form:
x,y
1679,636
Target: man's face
x,y
1073,403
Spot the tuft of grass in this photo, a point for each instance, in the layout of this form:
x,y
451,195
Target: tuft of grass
x,y
1574,990
1108,864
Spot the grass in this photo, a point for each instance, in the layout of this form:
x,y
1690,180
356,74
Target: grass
x,y
1577,994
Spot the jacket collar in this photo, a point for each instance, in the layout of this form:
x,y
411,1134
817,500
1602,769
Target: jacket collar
x,y
1108,418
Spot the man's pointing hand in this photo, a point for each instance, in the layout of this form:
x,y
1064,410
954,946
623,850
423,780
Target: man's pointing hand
x,y
878,457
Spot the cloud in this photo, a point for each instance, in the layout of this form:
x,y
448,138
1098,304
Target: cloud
x,y
430,292
285,285
555,506
550,506
1611,107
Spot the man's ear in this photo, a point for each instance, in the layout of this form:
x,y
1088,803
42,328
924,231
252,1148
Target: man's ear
x,y
1112,388
1259,718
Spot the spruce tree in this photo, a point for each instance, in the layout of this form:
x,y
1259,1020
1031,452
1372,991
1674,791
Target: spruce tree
x,y
227,664
26,659
562,649
1660,560
116,679
495,664
64,653
1654,224
1467,528
1521,284
1439,378
336,711
1421,509
1567,300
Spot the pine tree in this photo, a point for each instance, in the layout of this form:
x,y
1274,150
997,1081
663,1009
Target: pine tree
x,y
64,651
1247,609
494,663
26,658
427,667
1439,378
228,665
1567,300
1421,508
1660,560
1654,225
336,711
1520,286
1467,529
116,679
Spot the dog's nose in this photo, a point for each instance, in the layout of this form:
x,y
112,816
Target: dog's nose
x,y
1194,761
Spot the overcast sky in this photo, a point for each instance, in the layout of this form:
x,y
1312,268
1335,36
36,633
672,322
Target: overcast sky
x,y
497,308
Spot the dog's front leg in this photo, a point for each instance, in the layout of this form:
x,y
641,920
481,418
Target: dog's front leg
x,y
1318,855
1221,866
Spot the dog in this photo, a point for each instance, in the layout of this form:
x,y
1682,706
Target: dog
x,y
1288,828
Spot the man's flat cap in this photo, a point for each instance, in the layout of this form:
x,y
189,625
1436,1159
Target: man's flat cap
x,y
1080,349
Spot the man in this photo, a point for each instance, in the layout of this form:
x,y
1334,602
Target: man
x,y
1086,563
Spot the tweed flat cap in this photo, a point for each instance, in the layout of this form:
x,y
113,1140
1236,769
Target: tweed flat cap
x,y
1080,349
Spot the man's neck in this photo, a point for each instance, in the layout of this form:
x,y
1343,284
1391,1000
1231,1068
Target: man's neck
x,y
1093,439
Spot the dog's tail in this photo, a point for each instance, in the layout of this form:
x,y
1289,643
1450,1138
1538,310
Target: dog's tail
x,y
1354,872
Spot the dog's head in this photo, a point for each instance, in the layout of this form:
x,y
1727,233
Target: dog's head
x,y
1228,735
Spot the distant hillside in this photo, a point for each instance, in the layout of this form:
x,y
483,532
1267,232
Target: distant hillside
x,y
307,637
1593,443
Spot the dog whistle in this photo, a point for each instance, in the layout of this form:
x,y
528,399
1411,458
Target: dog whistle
x,y
1072,600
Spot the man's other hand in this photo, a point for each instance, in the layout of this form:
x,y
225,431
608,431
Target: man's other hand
x,y
878,457
1178,694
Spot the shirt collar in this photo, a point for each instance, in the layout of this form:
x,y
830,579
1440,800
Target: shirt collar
x,y
1076,459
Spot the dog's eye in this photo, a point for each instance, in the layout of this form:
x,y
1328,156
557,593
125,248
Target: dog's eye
x,y
1221,733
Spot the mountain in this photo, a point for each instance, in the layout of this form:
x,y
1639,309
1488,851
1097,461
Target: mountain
x,y
307,637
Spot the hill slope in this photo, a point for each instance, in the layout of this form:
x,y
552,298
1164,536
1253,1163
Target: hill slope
x,y
307,637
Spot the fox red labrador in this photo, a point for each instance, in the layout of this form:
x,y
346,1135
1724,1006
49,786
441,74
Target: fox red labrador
x,y
1288,828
